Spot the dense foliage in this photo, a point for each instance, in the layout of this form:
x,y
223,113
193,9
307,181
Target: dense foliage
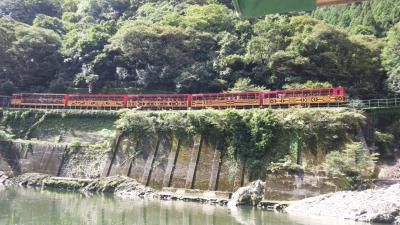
x,y
256,137
373,17
259,138
194,46
354,163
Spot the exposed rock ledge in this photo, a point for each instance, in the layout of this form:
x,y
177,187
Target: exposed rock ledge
x,y
120,186
376,205
126,187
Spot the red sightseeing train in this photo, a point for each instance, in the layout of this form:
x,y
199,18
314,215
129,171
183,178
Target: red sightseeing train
x,y
278,98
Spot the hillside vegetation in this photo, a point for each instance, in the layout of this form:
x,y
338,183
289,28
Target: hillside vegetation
x,y
195,46
262,139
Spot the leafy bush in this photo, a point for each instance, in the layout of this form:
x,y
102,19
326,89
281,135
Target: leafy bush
x,y
244,84
356,104
4,136
75,144
308,84
256,137
355,163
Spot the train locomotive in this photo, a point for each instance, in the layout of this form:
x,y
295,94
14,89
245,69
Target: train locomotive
x,y
278,98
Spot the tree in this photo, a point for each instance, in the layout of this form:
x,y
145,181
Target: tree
x,y
84,44
308,84
244,84
210,17
375,16
391,59
26,10
155,12
322,53
271,35
51,23
102,10
88,77
354,164
30,56
160,55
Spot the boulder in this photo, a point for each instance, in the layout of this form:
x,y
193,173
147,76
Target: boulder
x,y
251,194
3,178
397,222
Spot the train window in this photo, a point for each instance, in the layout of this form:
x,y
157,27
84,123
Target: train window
x,y
281,94
324,92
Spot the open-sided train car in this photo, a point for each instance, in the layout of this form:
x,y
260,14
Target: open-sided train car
x,y
4,101
95,101
38,100
278,98
303,96
159,101
226,100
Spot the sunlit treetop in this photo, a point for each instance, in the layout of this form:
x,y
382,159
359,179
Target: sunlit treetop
x,y
256,8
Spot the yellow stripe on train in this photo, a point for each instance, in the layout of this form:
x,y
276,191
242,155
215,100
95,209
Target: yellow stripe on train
x,y
96,103
225,103
157,104
303,100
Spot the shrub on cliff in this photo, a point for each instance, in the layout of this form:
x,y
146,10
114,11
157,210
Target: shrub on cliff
x,y
4,136
255,137
354,163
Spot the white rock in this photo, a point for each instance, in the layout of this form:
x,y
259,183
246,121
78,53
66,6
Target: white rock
x,y
378,205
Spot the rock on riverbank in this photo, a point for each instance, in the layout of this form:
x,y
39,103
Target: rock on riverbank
x,y
251,194
376,205
124,187
3,178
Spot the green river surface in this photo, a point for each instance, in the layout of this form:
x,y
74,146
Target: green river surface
x,y
41,207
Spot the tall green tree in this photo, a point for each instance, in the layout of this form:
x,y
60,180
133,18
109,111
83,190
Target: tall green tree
x,y
369,17
161,55
26,10
31,55
391,59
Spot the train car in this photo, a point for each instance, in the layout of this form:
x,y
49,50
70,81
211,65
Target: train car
x,y
159,101
37,100
4,101
227,100
303,97
279,98
95,101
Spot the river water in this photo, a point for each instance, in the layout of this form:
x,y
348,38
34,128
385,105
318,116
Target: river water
x,y
41,207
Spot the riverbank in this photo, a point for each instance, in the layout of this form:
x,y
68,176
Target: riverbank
x,y
374,205
52,207
128,188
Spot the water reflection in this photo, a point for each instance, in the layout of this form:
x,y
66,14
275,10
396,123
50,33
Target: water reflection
x,y
27,206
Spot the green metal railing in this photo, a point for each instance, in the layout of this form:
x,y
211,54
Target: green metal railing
x,y
374,103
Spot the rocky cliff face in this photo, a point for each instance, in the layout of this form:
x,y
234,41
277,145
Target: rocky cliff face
x,y
90,145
